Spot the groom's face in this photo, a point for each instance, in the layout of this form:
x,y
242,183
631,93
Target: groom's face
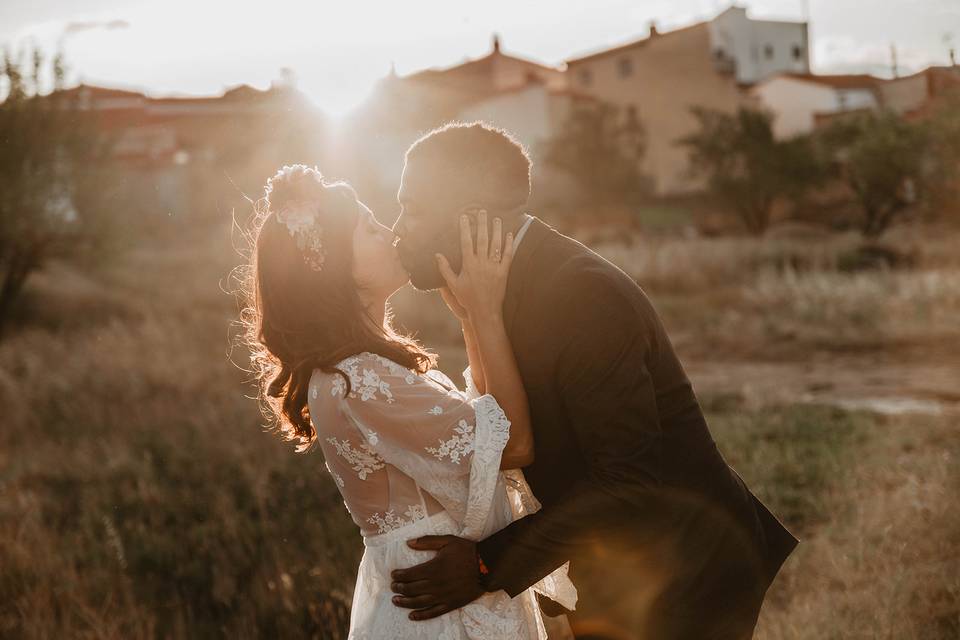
x,y
428,224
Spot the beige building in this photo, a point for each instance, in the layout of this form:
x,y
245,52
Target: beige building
x,y
659,78
799,102
917,94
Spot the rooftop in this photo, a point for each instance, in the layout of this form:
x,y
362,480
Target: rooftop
x,y
633,44
840,81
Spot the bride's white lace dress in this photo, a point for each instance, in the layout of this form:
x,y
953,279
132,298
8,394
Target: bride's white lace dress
x,y
412,456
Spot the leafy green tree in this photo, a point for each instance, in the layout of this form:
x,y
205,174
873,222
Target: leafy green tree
x,y
602,148
882,159
45,150
747,167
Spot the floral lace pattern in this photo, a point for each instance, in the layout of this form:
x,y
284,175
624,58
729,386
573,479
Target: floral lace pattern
x,y
426,460
366,383
460,444
487,449
336,476
390,521
364,460
396,369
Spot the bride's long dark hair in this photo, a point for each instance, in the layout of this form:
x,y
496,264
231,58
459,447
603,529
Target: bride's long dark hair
x,y
296,319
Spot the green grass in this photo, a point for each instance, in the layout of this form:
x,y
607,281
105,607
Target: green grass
x,y
793,457
872,499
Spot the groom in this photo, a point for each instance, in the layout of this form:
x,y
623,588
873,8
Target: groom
x,y
664,539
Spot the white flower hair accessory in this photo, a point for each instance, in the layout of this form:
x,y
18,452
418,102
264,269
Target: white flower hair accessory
x,y
302,220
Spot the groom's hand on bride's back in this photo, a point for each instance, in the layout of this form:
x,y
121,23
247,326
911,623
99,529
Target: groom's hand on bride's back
x,y
448,581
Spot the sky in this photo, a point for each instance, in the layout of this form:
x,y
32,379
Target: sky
x,y
337,50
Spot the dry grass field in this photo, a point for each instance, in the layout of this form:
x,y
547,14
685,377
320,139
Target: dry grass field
x,y
140,496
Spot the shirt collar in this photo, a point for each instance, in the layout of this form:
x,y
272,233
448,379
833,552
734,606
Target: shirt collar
x,y
523,229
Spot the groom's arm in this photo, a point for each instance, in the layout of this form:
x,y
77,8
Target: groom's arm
x,y
606,343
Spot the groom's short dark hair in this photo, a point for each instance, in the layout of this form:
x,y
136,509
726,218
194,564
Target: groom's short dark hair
x,y
480,161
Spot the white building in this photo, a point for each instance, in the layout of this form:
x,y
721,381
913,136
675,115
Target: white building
x,y
754,49
798,101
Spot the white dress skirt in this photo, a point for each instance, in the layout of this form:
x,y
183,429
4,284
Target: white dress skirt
x,y
492,616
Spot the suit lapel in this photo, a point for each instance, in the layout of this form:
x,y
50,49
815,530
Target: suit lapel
x,y
523,270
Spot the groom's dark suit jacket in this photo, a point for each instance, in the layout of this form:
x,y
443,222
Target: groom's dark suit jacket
x,y
624,459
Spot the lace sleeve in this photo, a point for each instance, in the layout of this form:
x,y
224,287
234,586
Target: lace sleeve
x,y
450,446
471,387
557,584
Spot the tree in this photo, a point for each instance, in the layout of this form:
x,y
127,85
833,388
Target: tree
x,y
747,167
45,147
943,179
602,149
882,160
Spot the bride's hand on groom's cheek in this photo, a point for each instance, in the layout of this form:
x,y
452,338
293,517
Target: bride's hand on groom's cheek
x,y
480,285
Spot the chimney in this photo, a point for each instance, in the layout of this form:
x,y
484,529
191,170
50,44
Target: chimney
x,y
496,43
893,61
953,57
653,29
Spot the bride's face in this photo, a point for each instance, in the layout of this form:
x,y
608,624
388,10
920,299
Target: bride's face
x,y
376,264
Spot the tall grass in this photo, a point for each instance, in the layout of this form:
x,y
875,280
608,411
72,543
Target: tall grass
x,y
140,496
877,517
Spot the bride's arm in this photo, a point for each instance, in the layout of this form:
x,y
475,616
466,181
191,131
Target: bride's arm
x,y
480,287
469,338
503,382
473,355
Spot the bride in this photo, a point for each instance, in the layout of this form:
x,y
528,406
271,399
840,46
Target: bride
x,y
411,454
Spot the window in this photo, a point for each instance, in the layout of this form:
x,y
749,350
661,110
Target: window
x,y
768,51
797,52
625,67
586,77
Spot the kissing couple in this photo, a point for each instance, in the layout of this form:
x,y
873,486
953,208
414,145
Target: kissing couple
x,y
572,480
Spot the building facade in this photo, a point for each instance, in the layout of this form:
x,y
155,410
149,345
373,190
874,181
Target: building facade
x,y
919,94
658,79
799,101
505,87
756,49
